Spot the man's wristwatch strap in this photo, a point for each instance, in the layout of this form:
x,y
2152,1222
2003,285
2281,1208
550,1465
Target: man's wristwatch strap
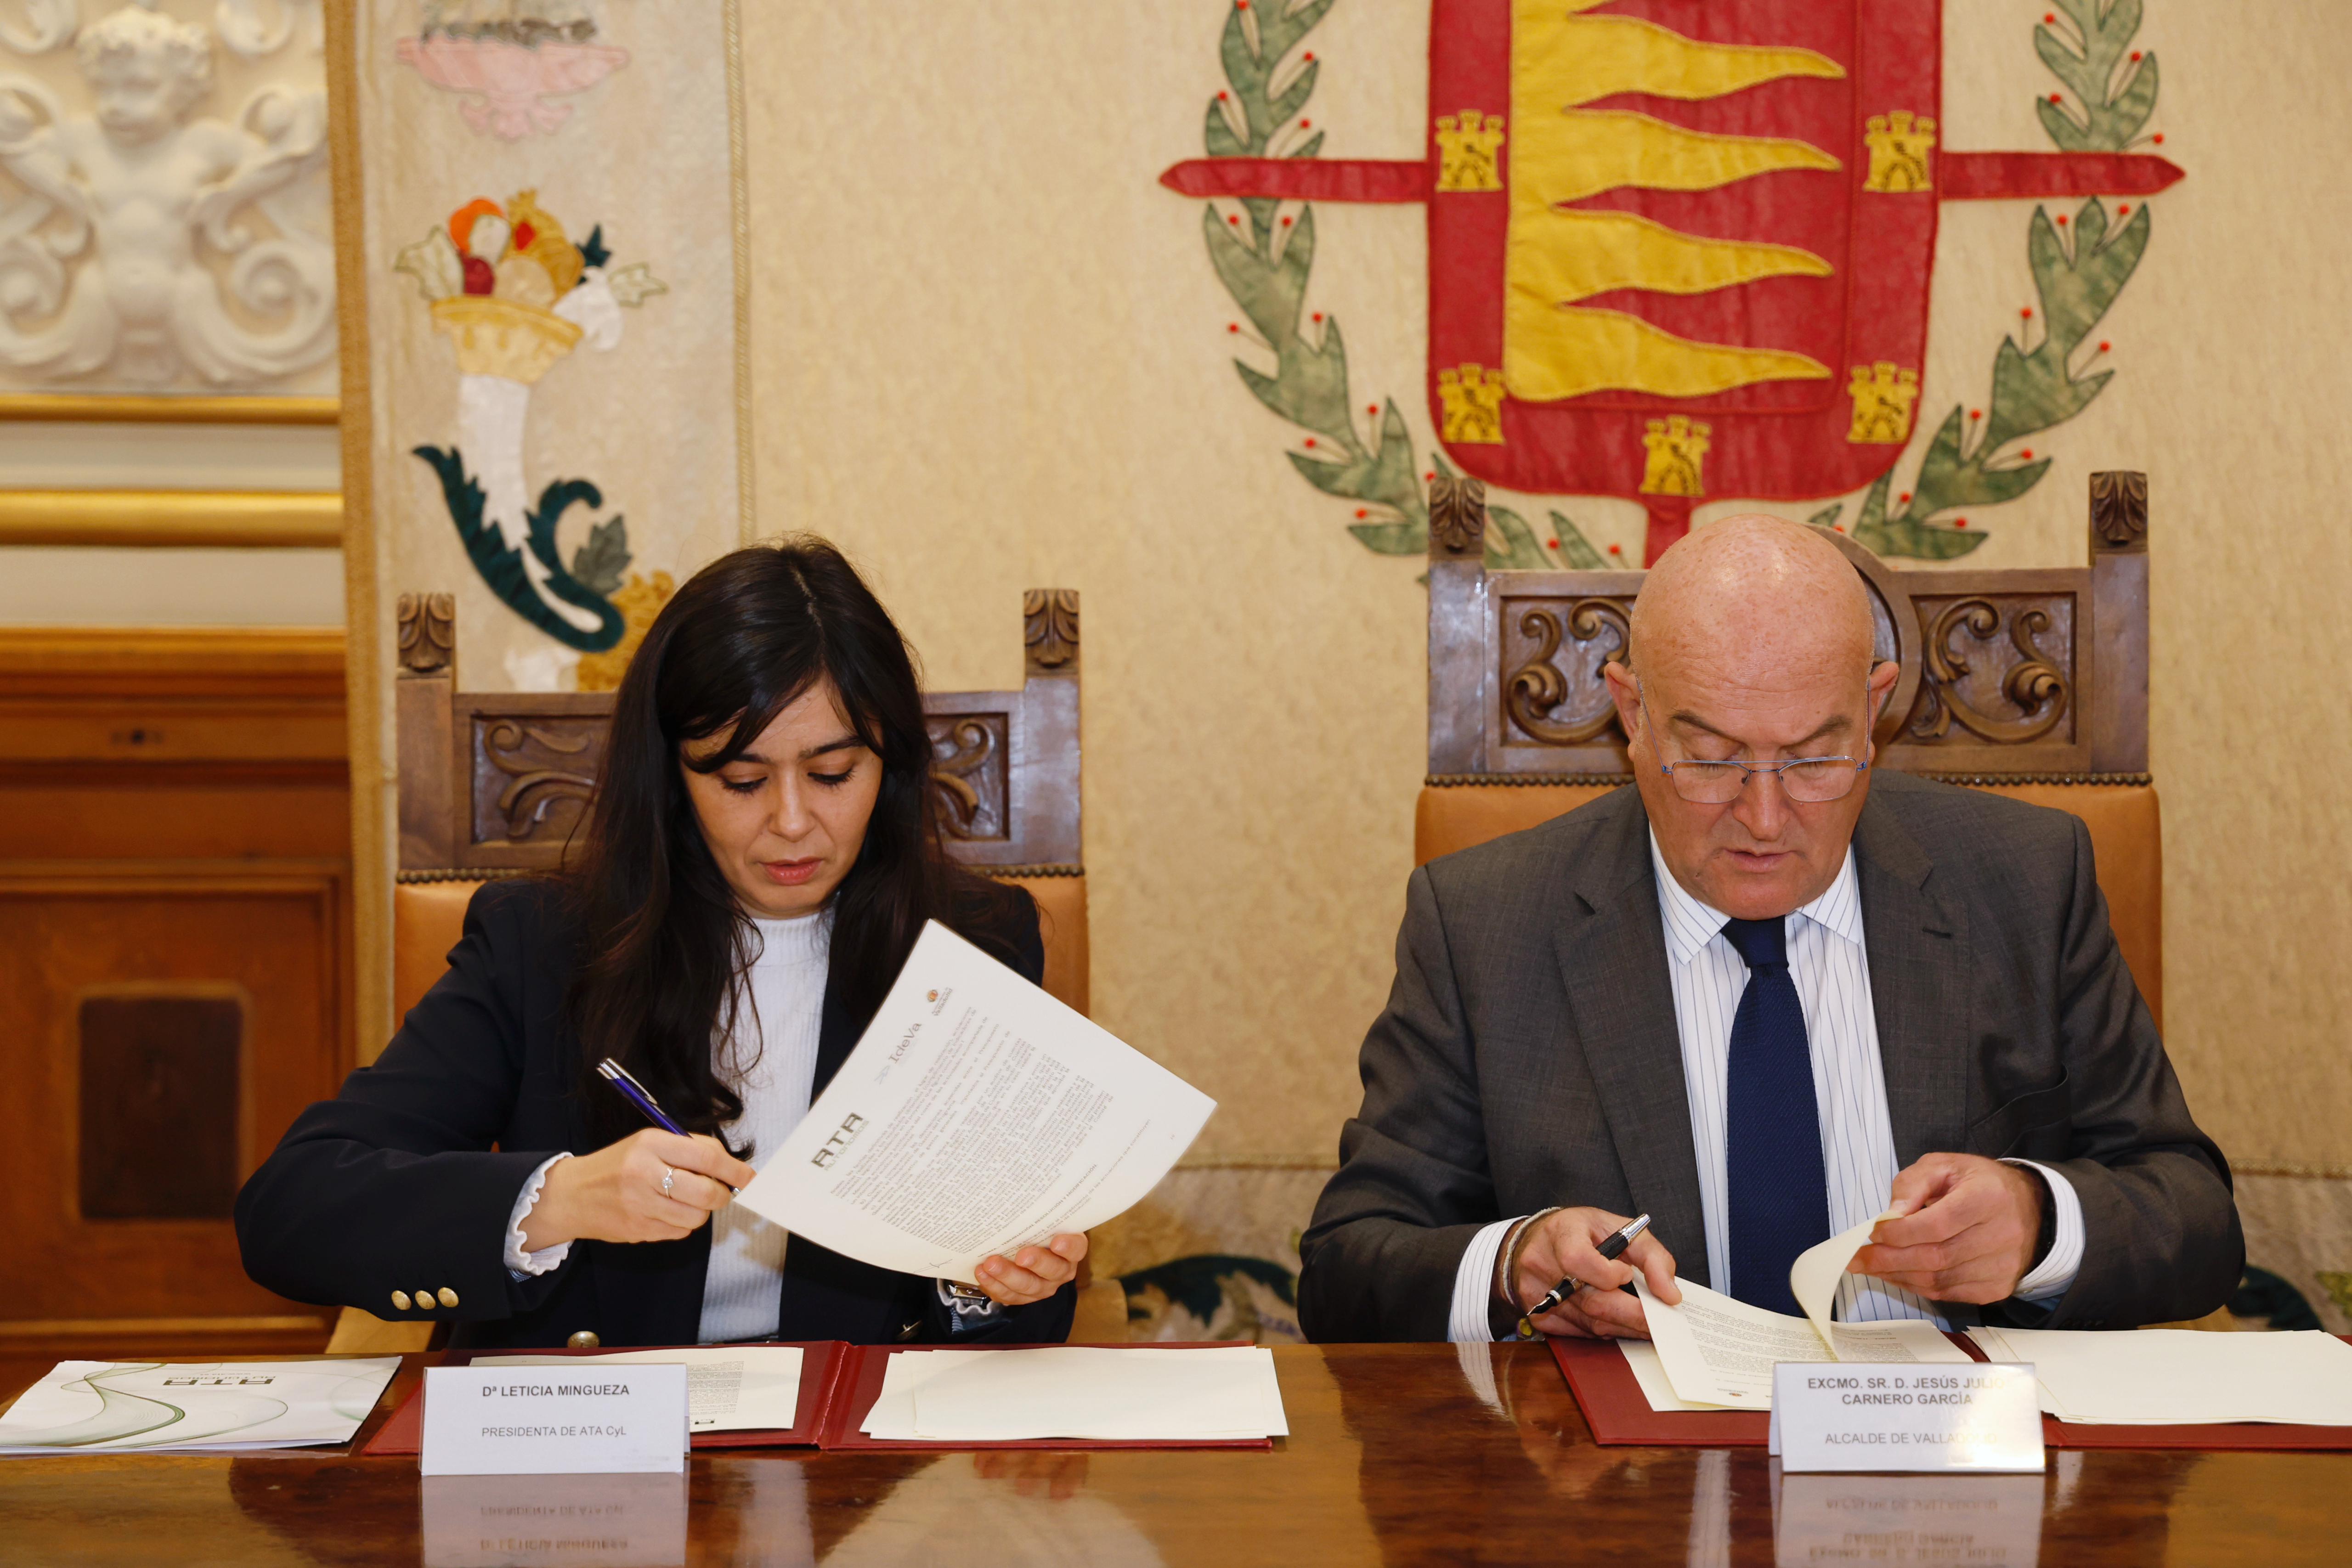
x,y
1503,1309
2046,1237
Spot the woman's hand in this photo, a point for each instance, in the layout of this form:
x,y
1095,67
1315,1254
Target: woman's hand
x,y
615,1193
1032,1273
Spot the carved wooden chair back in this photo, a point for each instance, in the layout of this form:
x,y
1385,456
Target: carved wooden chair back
x,y
493,784
2029,681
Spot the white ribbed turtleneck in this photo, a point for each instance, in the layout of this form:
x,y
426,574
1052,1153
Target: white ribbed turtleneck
x,y
741,1294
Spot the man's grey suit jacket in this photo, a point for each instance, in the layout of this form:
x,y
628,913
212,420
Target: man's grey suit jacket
x,y
1529,1056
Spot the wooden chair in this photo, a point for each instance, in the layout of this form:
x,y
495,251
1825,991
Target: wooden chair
x,y
493,783
2030,682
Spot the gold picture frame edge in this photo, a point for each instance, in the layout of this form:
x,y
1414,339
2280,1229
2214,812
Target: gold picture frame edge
x,y
173,519
140,408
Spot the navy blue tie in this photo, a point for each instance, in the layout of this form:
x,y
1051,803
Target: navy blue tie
x,y
1772,1132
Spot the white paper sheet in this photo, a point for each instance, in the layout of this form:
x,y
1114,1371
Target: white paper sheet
x,y
1642,1358
211,1406
728,1388
2163,1377
976,1116
1716,1351
1071,1391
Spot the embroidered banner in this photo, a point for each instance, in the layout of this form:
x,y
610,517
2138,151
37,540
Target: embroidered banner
x,y
552,319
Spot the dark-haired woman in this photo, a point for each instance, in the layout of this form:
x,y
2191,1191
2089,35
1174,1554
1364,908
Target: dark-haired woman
x,y
758,860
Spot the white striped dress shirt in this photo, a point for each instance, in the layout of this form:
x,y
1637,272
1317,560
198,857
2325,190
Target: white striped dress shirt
x,y
1829,963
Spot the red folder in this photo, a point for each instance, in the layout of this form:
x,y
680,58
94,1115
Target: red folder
x,y
1619,1413
839,1384
860,1384
822,1364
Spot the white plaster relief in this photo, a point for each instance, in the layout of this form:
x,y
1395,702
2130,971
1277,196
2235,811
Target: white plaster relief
x,y
145,245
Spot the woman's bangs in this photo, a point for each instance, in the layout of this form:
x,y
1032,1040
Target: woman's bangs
x,y
742,713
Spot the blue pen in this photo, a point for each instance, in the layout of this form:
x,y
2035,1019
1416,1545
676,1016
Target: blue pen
x,y
613,1074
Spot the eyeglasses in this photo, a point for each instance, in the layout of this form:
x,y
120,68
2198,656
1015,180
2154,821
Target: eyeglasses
x,y
1811,780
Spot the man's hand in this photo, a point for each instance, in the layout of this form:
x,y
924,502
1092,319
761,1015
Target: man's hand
x,y
1032,1273
1563,1244
1967,1230
615,1193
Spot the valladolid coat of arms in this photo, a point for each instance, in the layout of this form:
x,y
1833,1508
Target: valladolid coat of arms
x,y
1682,250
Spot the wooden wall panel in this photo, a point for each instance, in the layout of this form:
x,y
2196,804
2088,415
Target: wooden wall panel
x,y
174,972
158,1079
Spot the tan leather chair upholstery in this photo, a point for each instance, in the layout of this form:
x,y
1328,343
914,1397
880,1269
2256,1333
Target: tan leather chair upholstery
x,y
2123,818
428,916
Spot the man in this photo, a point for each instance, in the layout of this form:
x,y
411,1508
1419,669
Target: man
x,y
1765,995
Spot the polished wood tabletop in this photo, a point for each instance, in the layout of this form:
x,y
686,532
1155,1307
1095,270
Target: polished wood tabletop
x,y
1398,1454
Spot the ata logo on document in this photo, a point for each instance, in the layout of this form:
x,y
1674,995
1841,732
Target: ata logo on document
x,y
940,999
837,1145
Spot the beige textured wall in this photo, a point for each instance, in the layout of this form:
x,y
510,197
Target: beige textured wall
x,y
990,353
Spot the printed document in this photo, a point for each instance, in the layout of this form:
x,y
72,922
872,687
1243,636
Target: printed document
x,y
1718,1351
2166,1377
1210,1393
213,1406
728,1388
976,1116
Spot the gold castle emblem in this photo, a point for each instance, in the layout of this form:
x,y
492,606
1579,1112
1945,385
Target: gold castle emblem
x,y
1470,405
1899,145
1466,148
1677,448
1882,400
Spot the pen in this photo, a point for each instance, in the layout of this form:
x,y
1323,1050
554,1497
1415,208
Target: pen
x,y
613,1074
1610,1250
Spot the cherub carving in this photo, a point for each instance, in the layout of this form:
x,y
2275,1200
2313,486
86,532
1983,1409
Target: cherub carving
x,y
100,266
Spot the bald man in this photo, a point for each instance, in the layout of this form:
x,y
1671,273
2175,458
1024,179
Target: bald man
x,y
1764,994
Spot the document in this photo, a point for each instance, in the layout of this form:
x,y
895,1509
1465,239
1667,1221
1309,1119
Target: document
x,y
728,1388
1212,1392
1716,1351
1651,1374
2165,1377
976,1116
213,1407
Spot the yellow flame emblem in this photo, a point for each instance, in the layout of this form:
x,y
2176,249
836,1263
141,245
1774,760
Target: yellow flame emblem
x,y
1554,348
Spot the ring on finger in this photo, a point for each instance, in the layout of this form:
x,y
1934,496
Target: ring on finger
x,y
670,1179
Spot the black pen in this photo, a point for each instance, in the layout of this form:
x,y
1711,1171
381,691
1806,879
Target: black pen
x,y
1610,1250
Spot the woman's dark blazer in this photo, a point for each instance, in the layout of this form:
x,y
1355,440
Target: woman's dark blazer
x,y
405,1180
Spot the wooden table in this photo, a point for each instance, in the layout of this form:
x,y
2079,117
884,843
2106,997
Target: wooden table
x,y
1398,1454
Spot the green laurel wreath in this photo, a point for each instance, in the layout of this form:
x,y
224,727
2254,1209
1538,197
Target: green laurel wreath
x,y
2074,285
1264,264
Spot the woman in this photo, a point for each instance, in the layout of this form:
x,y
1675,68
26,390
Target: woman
x,y
758,860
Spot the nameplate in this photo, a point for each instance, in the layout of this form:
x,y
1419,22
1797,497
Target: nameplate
x,y
588,1419
1906,1415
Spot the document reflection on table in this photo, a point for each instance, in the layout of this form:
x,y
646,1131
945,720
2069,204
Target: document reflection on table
x,y
1034,1503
